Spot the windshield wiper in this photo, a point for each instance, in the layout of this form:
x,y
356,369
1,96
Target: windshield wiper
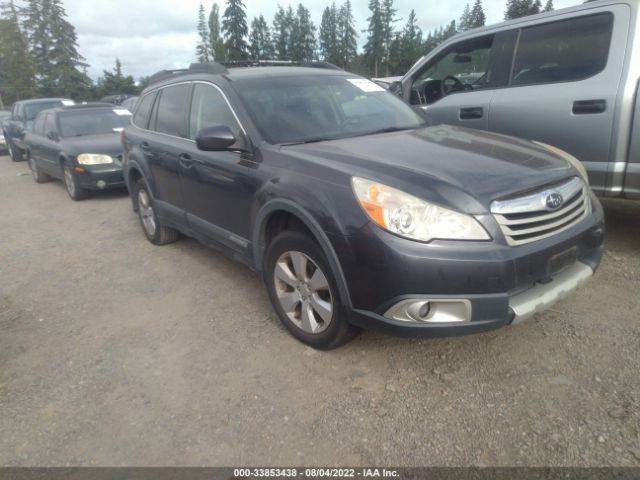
x,y
310,140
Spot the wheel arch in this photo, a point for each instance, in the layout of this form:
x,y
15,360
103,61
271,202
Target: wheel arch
x,y
305,221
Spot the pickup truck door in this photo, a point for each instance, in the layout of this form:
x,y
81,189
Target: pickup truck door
x,y
49,148
564,85
470,71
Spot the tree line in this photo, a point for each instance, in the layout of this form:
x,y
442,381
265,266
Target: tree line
x,y
293,36
39,52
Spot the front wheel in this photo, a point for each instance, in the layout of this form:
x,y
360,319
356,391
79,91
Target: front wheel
x,y
14,152
36,173
75,191
304,293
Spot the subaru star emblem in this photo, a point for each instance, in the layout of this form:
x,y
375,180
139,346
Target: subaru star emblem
x,y
554,201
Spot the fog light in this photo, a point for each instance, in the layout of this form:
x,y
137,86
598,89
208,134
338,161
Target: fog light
x,y
437,310
101,184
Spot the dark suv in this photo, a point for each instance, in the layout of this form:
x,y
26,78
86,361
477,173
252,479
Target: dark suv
x,y
355,212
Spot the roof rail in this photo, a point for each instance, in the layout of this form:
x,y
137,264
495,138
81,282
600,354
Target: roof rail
x,y
212,68
279,63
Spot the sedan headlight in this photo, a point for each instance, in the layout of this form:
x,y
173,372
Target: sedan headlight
x,y
577,164
94,159
413,218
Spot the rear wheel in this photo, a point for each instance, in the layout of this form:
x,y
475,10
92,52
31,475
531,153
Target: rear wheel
x,y
14,152
155,232
304,293
36,173
75,191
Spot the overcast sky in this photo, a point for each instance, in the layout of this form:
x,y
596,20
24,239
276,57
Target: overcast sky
x,y
151,35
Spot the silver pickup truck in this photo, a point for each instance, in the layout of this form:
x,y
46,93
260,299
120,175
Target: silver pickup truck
x,y
567,78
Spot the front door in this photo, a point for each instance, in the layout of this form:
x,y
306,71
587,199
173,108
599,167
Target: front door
x,y
217,195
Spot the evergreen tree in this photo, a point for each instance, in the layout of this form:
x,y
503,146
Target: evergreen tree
x,y
549,6
347,35
235,30
203,48
388,19
374,48
465,19
522,8
17,69
260,46
303,36
406,47
217,43
283,22
115,82
477,17
328,35
68,73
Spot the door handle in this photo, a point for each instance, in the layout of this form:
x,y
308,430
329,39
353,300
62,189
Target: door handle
x,y
185,160
471,113
589,107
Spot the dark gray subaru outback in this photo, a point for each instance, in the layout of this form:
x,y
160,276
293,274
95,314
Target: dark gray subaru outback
x,y
354,210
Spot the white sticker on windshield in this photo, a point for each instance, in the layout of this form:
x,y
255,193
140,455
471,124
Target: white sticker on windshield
x,y
121,111
365,85
68,103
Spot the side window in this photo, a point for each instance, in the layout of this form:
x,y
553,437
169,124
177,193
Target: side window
x,y
171,110
141,117
209,108
38,126
50,123
564,51
463,67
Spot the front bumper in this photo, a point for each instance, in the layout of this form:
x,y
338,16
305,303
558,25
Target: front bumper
x,y
503,285
101,177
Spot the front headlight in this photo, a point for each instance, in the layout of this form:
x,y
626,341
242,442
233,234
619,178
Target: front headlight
x,y
413,218
577,164
94,159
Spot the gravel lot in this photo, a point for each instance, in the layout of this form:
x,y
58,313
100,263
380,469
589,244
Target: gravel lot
x,y
117,352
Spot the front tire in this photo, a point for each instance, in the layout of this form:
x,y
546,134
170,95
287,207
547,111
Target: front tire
x,y
304,293
14,152
75,191
36,173
155,232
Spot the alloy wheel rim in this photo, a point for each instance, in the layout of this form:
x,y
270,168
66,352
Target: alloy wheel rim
x,y
146,212
303,292
68,181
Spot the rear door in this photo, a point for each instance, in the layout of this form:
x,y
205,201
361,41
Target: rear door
x,y
49,149
563,86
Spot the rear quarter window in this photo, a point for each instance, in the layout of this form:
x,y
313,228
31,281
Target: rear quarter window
x,y
563,51
143,112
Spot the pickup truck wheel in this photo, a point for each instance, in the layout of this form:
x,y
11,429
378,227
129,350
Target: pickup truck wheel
x,y
14,152
303,291
36,173
75,191
155,232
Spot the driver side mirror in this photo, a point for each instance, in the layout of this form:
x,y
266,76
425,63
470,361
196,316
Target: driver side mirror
x,y
396,88
51,135
216,138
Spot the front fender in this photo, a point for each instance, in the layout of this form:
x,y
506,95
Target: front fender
x,y
259,247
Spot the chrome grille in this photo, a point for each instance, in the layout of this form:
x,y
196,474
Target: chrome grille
x,y
528,218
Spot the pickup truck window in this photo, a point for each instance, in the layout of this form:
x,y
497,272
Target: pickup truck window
x,y
564,51
38,127
33,109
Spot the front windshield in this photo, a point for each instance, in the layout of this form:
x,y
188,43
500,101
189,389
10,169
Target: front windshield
x,y
321,107
31,110
93,122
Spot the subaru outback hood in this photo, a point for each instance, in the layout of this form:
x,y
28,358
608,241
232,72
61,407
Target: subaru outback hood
x,y
432,162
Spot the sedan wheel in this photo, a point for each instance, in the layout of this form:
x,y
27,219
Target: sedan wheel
x,y
75,191
303,292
